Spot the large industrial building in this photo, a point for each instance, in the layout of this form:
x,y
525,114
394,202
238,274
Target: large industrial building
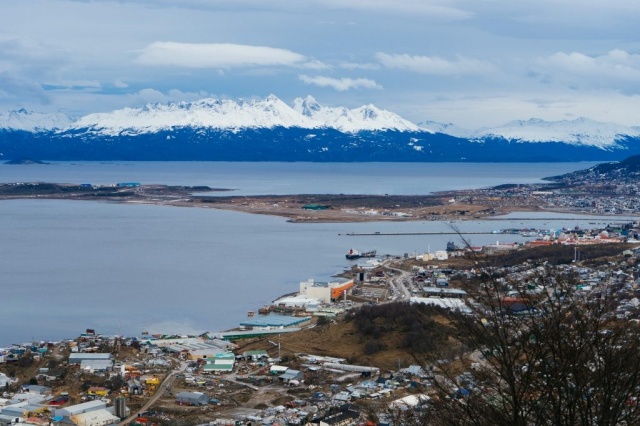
x,y
325,292
272,321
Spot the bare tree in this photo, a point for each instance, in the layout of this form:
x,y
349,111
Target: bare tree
x,y
545,354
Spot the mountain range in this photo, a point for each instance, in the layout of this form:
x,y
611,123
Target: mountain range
x,y
270,130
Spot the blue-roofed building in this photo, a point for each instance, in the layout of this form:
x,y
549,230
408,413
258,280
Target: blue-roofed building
x,y
273,321
128,184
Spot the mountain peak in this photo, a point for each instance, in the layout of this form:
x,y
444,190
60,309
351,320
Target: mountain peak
x,y
307,106
579,131
269,112
272,98
33,121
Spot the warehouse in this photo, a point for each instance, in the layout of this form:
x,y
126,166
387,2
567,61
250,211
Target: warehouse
x,y
221,363
291,375
256,355
236,335
95,418
444,292
85,407
192,398
273,321
200,349
97,365
78,357
324,291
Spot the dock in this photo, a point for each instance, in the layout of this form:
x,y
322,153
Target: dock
x,y
382,234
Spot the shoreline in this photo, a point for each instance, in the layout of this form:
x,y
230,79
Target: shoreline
x,y
296,208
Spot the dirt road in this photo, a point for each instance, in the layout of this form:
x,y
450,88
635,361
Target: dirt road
x,y
159,392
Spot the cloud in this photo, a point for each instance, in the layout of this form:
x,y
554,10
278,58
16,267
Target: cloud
x,y
149,95
314,64
357,66
435,9
475,111
615,66
73,85
220,56
434,65
17,89
341,84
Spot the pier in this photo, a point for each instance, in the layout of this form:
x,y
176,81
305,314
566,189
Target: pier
x,y
381,234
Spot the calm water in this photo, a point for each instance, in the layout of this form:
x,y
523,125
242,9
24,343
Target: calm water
x,y
66,266
295,178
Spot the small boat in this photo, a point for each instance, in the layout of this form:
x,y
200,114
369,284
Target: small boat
x,y
264,310
251,313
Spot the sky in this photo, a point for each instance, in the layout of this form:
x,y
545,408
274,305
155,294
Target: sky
x,y
473,63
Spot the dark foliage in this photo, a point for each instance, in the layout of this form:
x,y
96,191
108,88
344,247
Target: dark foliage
x,y
414,321
115,383
25,361
372,347
558,254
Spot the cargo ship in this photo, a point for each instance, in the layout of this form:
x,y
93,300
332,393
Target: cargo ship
x,y
355,254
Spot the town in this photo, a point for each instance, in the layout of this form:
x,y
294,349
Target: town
x,y
322,355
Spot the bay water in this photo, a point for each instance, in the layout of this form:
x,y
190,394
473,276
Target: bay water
x,y
122,269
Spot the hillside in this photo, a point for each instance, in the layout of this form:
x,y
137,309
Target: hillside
x,y
628,168
380,335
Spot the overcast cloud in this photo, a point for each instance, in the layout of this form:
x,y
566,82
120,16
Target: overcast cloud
x,y
468,62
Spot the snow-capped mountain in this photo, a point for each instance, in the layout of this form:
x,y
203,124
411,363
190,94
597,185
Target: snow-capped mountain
x,y
33,121
581,131
366,117
206,113
270,130
231,115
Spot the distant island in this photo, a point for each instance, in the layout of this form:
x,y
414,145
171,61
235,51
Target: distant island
x,y
25,161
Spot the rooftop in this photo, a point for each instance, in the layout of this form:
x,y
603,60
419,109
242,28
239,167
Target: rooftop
x,y
274,321
442,290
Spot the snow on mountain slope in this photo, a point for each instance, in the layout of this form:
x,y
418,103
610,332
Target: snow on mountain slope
x,y
366,117
581,131
33,121
445,128
307,113
209,113
227,114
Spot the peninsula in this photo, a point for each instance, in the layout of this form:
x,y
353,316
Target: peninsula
x,y
608,188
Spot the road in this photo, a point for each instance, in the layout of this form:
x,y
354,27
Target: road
x,y
400,283
168,381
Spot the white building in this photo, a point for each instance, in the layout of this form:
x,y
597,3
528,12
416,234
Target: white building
x,y
441,255
95,418
77,358
85,407
324,291
4,380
